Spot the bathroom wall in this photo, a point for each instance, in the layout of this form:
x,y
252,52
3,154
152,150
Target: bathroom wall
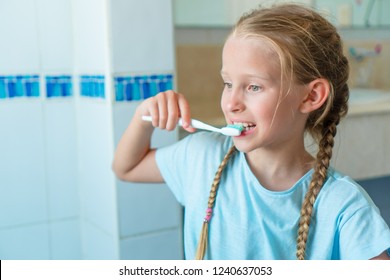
x,y
39,201
71,74
149,218
199,78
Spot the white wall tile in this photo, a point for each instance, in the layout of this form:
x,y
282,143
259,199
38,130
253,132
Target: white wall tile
x,y
98,244
95,153
23,196
19,48
90,35
61,158
25,243
122,115
146,207
55,35
50,150
142,35
65,240
160,246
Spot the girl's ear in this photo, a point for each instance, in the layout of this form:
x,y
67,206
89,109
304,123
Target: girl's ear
x,y
317,94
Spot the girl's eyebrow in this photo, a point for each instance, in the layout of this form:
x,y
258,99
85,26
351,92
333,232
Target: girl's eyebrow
x,y
223,73
262,77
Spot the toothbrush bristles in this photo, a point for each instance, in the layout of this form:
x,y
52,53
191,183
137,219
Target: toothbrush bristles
x,y
239,127
233,130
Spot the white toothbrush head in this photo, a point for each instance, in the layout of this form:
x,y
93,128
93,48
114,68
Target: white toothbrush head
x,y
232,130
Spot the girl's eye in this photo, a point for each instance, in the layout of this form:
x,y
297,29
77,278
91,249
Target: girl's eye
x,y
254,88
227,85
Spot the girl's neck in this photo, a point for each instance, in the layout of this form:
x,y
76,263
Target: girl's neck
x,y
279,171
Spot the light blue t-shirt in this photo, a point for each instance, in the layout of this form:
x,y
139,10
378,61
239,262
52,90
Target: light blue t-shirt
x,y
251,222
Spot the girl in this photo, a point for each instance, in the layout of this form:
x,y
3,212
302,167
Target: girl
x,y
284,73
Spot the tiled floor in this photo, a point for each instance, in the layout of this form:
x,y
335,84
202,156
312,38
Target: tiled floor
x,y
379,190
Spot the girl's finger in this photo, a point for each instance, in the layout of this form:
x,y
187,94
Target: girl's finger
x,y
185,113
173,110
162,110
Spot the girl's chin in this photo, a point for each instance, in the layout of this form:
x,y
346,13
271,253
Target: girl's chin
x,y
242,147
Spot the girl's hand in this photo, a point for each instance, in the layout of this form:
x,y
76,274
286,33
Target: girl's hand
x,y
165,109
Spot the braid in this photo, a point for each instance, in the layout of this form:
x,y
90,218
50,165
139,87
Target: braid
x,y
320,173
202,246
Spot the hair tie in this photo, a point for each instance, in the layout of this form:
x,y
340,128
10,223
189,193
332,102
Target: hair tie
x,y
209,213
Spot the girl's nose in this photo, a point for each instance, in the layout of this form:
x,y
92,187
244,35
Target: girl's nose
x,y
235,102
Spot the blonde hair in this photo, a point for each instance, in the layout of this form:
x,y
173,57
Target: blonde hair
x,y
309,47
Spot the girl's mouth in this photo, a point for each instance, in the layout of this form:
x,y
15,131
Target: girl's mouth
x,y
247,127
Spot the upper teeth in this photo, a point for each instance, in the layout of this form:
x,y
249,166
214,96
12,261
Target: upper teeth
x,y
245,125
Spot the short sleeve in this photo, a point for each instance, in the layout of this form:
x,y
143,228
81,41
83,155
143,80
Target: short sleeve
x,y
171,160
364,235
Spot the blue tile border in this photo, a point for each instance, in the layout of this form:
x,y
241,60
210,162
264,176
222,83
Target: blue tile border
x,y
126,87
14,86
58,86
133,88
92,86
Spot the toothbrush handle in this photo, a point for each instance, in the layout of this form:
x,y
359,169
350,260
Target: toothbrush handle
x,y
149,119
194,123
202,125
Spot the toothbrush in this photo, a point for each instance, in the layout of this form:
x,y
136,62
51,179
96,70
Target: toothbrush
x,y
230,130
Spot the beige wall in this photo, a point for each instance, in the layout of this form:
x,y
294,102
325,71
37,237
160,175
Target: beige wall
x,y
198,78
